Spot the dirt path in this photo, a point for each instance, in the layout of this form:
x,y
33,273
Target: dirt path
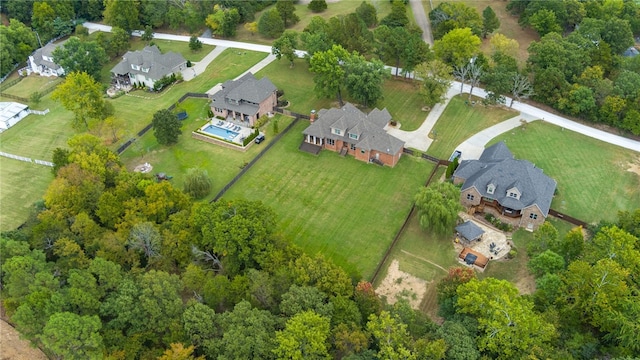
x,y
14,348
425,260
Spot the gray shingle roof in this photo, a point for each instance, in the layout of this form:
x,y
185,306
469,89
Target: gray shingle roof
x,y
496,167
350,120
47,51
243,95
469,230
151,58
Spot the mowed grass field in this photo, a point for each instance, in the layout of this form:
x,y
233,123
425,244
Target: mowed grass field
x,y
21,184
460,121
221,163
594,178
343,208
400,96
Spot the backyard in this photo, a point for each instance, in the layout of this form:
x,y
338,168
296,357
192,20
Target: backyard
x,y
595,179
343,208
460,121
222,164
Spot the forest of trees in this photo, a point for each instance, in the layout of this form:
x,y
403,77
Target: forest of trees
x,y
112,264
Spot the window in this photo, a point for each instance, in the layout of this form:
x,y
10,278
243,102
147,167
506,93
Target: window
x,y
353,147
533,216
362,151
331,142
470,197
336,131
353,136
513,195
491,188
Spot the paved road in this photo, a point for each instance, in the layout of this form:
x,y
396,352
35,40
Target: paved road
x,y
420,136
422,20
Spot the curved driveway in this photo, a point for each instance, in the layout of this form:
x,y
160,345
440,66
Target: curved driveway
x,y
419,139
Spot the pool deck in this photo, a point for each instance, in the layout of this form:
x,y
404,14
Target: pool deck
x,y
243,132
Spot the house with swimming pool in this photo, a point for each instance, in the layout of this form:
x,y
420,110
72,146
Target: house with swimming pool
x,y
244,100
350,131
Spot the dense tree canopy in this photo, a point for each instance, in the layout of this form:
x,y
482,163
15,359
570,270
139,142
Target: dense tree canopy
x,y
166,127
81,56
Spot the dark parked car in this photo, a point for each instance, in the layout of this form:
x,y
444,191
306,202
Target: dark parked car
x,y
259,138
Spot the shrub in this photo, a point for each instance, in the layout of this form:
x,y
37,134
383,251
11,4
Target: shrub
x,y
317,5
261,121
512,253
279,93
197,183
451,168
194,43
276,129
35,97
189,63
250,138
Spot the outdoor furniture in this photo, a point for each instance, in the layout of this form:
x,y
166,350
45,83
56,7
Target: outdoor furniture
x,y
182,115
163,176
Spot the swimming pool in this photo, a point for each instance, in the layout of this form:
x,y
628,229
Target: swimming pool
x,y
220,132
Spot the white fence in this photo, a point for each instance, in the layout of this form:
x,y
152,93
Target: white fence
x,y
26,159
38,112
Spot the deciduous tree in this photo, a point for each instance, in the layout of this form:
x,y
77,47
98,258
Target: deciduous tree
x,y
304,337
122,13
329,71
80,56
197,183
457,47
509,326
72,336
448,16
42,20
436,80
391,337
286,46
166,127
364,79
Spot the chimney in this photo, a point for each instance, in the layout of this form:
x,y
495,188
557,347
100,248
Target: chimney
x,y
312,117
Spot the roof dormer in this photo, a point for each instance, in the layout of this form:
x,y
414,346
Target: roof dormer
x,y
514,193
491,188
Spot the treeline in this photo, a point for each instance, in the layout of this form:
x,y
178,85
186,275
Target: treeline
x,y
113,264
577,66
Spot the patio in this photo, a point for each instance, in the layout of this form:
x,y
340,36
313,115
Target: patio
x,y
501,246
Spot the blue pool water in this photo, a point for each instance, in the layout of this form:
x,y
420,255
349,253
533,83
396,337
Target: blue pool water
x,y
220,132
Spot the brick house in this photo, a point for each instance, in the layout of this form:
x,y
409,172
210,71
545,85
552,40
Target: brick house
x,y
147,66
514,190
350,131
245,99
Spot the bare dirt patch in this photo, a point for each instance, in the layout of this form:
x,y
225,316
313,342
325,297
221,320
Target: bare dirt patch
x,y
399,284
634,168
14,348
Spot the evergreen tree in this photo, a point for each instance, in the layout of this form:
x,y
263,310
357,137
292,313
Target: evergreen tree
x,y
490,21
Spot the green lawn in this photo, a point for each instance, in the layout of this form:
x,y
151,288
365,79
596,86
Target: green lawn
x,y
137,110
459,121
593,177
36,136
405,104
221,163
31,84
343,208
401,97
21,184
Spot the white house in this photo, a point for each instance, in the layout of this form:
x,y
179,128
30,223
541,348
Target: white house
x,y
11,113
41,61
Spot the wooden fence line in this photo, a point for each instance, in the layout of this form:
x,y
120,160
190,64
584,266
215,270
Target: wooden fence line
x,y
254,160
396,238
567,218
